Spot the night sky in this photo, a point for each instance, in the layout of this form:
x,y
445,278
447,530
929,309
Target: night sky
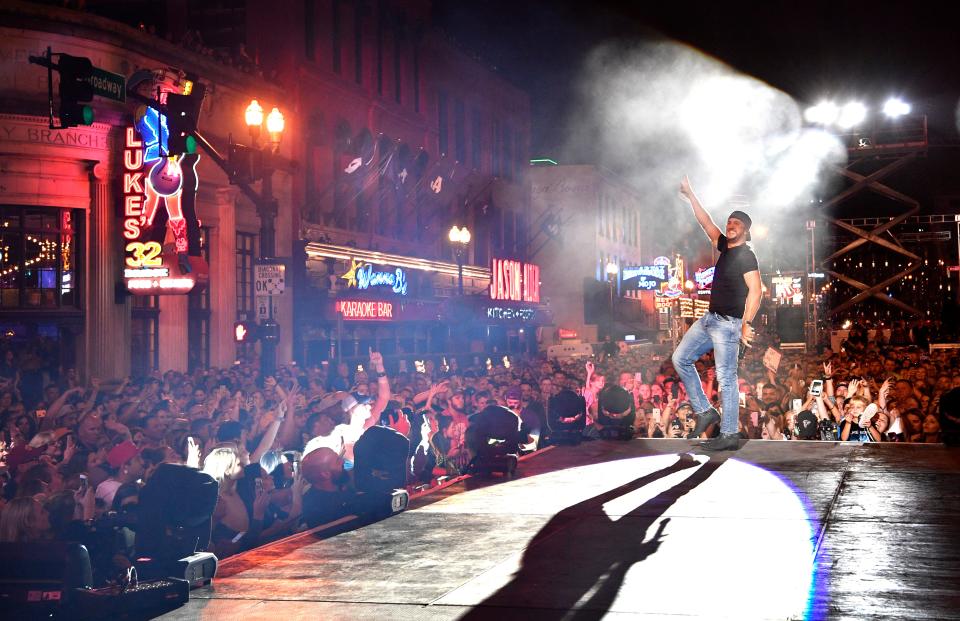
x,y
806,49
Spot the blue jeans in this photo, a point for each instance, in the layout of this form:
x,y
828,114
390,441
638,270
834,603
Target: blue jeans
x,y
722,335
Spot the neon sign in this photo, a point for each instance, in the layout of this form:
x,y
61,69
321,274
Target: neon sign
x,y
515,281
788,290
567,334
151,181
704,278
370,310
645,277
507,313
694,309
672,287
362,276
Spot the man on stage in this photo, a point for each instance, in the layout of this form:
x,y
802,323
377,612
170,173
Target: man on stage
x,y
734,300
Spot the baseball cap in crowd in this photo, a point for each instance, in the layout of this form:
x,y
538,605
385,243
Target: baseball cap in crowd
x,y
44,438
513,393
346,401
806,425
122,453
22,454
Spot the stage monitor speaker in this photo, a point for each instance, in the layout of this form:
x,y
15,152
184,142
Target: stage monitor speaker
x,y
380,460
38,578
175,513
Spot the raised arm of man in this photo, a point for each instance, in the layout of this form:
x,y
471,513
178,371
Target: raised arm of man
x,y
706,222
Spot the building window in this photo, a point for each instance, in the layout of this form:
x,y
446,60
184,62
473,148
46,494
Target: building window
x,y
310,29
246,258
506,160
460,130
475,139
416,78
358,41
496,150
198,328
442,121
398,37
38,258
144,334
519,156
337,36
381,33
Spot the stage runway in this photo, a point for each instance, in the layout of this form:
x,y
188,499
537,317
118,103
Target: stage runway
x,y
647,529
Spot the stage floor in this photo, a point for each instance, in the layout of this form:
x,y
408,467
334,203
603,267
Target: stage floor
x,y
636,530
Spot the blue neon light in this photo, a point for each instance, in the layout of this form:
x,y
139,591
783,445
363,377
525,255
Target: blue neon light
x,y
153,130
396,280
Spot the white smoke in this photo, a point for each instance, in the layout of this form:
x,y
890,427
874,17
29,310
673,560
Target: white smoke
x,y
656,111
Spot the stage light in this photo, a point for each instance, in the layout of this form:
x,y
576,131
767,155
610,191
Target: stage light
x,y
759,231
895,108
852,114
824,113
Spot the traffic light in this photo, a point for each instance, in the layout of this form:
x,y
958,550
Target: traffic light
x,y
75,90
244,331
183,113
246,164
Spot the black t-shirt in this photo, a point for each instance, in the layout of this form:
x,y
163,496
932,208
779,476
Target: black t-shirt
x,y
729,292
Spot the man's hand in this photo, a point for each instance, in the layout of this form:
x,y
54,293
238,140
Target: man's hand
x,y
70,450
686,192
193,453
746,334
589,367
376,361
260,504
828,369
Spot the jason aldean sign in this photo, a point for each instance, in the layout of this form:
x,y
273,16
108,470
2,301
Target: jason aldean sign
x,y
365,310
514,281
146,270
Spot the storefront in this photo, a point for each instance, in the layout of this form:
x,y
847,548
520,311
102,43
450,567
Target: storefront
x,y
78,286
357,300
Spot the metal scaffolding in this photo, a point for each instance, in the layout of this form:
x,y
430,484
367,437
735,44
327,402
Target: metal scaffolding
x,y
876,153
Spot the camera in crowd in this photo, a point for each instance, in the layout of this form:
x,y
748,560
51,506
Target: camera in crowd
x,y
827,430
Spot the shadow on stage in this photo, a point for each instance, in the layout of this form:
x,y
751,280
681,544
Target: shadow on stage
x,y
574,566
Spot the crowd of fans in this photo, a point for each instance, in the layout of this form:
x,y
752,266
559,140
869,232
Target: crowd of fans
x,y
74,457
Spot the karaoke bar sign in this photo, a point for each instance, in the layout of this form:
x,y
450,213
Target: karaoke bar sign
x,y
365,310
514,281
501,313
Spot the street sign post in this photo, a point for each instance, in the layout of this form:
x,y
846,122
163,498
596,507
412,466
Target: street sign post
x,y
109,85
268,307
269,278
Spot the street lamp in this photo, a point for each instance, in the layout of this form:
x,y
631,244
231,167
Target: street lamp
x,y
459,238
267,211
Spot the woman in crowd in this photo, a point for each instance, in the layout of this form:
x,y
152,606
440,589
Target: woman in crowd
x,y
24,519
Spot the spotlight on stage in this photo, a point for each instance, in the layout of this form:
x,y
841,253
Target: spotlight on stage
x,y
851,115
895,108
824,113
